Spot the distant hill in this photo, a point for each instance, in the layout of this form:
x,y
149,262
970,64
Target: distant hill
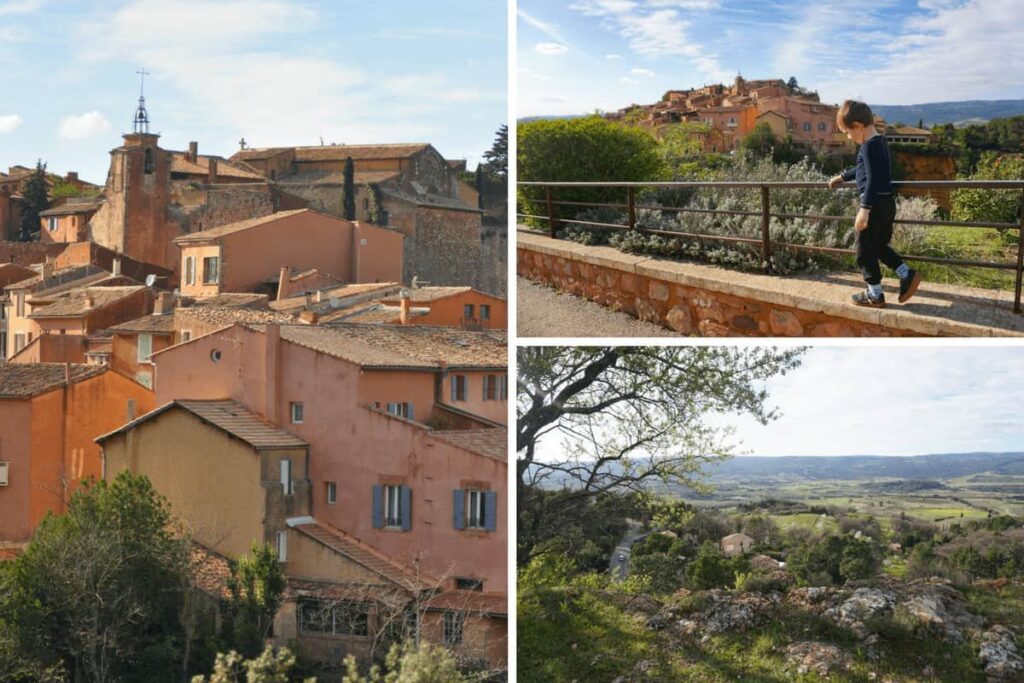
x,y
846,467
958,113
530,119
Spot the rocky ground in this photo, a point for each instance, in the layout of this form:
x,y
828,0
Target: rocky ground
x,y
869,617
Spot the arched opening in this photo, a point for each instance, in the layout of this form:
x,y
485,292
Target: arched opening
x,y
147,165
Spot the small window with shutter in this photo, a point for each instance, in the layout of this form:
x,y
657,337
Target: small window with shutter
x,y
392,507
286,476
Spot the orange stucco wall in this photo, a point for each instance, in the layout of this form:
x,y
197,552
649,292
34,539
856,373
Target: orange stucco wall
x,y
383,387
449,311
15,448
350,445
475,402
70,228
197,288
124,356
377,254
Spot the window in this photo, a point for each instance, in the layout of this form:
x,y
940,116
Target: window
x,y
19,341
147,163
485,311
341,618
52,223
467,311
211,274
464,584
822,126
3,345
21,304
475,509
383,217
145,347
215,355
332,492
494,388
297,412
454,622
186,335
190,270
807,126
460,388
392,507
401,410
732,120
286,476
282,546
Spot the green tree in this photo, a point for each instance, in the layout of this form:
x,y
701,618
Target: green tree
x,y
761,142
859,560
663,571
590,148
348,190
709,569
408,663
99,590
632,416
497,156
271,666
36,200
375,211
1000,206
257,585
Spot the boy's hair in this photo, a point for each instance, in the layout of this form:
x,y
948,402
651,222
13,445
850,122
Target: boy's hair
x,y
852,112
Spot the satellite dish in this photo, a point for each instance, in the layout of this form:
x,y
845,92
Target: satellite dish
x,y
150,280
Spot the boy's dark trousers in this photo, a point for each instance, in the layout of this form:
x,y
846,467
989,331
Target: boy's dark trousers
x,y
872,244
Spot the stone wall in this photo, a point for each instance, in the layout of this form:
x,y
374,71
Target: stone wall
x,y
702,300
926,167
494,260
220,205
446,249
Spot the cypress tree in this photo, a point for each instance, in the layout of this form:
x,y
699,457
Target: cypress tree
x,y
36,201
348,196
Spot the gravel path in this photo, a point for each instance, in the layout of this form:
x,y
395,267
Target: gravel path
x,y
544,312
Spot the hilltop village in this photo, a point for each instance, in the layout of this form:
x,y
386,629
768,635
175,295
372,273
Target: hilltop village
x,y
721,116
335,387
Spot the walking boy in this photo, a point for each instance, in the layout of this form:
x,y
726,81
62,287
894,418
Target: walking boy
x,y
877,211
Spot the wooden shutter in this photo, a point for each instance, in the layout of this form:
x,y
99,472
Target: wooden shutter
x,y
406,508
487,386
490,510
459,508
378,506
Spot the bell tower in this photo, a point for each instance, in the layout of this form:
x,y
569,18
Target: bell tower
x,y
134,220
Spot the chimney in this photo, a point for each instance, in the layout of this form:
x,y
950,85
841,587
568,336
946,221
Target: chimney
x,y
271,371
404,311
319,296
164,304
213,172
47,268
71,177
90,300
67,374
115,268
309,317
193,151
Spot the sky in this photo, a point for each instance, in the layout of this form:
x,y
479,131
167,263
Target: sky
x,y
278,72
575,56
886,400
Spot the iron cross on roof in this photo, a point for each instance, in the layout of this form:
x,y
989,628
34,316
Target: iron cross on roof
x,y
140,123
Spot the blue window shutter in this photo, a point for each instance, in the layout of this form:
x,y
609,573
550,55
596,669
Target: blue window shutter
x,y
378,507
410,411
459,508
454,399
486,383
490,510
406,508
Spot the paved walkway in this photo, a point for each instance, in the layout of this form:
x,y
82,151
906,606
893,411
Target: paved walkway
x,y
545,312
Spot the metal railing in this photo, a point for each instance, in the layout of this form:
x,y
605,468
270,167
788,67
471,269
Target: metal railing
x,y
765,242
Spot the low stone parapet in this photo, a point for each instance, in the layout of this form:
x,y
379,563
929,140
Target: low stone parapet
x,y
705,300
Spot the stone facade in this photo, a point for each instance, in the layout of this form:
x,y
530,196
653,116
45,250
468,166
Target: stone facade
x,y
442,246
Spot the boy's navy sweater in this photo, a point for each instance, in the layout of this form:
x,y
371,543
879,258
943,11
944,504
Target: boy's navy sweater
x,y
873,172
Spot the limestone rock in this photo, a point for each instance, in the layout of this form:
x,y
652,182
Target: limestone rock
x,y
820,658
865,604
999,654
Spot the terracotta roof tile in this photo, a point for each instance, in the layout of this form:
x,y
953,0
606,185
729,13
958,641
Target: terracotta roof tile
x,y
25,380
72,304
229,315
148,324
337,152
236,299
322,177
75,207
201,166
490,443
325,590
403,346
362,553
470,601
434,293
353,292
231,228
228,416
210,571
430,200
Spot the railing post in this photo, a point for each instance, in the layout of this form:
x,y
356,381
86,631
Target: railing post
x,y
631,201
1020,256
766,243
551,213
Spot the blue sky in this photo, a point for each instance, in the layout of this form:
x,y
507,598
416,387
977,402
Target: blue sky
x,y
579,55
274,71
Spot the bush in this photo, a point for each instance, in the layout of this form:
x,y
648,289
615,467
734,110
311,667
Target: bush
x,y
1001,206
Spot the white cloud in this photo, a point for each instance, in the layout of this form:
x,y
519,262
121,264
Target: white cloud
x,y
612,57
13,7
627,79
9,122
685,4
548,29
550,48
83,126
647,73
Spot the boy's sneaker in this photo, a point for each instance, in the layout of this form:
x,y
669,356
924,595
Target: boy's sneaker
x,y
908,285
865,299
